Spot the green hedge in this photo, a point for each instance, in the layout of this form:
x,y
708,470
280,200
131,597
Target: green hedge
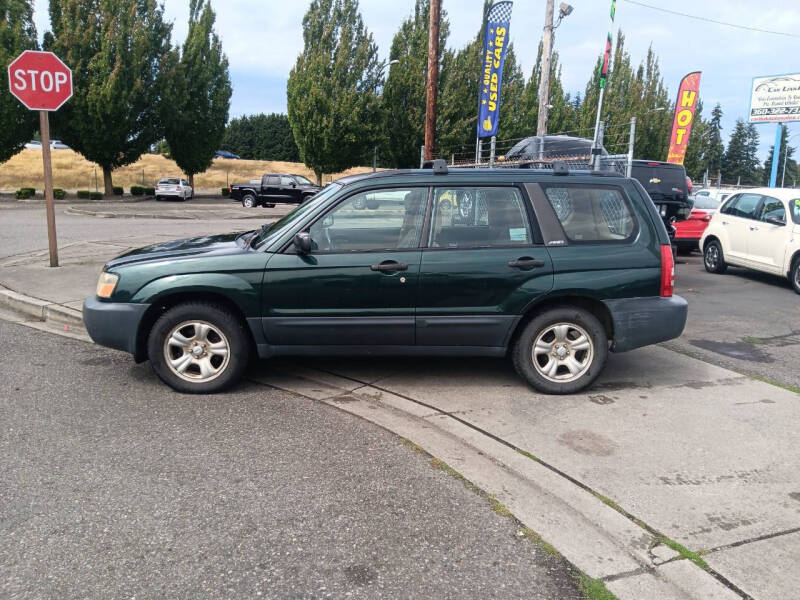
x,y
31,191
23,193
150,191
95,195
84,194
226,192
59,194
137,190
118,191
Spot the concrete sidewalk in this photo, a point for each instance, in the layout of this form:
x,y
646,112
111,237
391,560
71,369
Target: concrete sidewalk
x,y
670,478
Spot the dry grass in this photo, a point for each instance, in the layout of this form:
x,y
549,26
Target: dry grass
x,y
72,172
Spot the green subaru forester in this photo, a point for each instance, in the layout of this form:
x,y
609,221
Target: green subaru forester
x,y
550,268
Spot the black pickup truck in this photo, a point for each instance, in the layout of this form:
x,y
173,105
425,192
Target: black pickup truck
x,y
668,187
274,188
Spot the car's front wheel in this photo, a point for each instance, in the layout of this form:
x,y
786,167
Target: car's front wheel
x,y
561,351
713,258
794,275
198,348
249,201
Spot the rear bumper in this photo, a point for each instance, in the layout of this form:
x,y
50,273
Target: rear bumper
x,y
113,324
644,321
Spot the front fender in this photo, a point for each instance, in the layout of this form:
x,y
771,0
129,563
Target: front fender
x,y
242,289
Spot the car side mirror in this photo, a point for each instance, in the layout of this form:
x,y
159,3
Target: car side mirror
x,y
775,221
302,242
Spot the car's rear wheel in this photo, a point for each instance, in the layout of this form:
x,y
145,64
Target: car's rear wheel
x,y
794,275
249,201
561,351
198,348
713,258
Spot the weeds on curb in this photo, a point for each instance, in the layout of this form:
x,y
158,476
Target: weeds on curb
x,y
695,557
594,589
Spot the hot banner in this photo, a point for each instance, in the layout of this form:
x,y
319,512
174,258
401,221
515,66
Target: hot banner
x,y
688,95
495,43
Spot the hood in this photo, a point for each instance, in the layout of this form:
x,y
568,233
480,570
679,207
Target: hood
x,y
215,245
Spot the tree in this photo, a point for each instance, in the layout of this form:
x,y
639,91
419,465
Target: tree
x,y
785,150
116,50
696,159
403,99
197,94
740,163
331,92
261,137
17,33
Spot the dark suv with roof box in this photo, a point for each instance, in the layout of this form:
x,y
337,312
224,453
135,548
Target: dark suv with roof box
x,y
553,269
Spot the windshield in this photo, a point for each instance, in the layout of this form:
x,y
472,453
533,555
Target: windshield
x,y
277,228
302,180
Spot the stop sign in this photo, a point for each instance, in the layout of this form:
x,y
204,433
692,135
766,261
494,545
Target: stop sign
x,y
40,80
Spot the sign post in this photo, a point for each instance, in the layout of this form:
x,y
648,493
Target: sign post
x,y
42,82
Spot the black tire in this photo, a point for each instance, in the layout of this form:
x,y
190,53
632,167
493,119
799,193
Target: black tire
x,y
158,198
713,258
220,320
591,360
249,201
794,275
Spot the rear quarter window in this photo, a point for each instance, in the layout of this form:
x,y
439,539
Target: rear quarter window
x,y
592,214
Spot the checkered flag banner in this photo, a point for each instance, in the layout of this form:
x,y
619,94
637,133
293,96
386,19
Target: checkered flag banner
x,y
495,44
500,12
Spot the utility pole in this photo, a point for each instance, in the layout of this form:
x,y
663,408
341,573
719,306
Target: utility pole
x,y
433,78
547,57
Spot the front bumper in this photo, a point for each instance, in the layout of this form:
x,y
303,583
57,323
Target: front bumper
x,y
644,321
113,324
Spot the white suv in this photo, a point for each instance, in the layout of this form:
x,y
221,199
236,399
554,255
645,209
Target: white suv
x,y
758,229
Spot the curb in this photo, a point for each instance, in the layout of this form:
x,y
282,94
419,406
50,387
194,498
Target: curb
x,y
40,310
72,210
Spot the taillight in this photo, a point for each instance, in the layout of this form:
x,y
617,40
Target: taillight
x,y
667,271
707,218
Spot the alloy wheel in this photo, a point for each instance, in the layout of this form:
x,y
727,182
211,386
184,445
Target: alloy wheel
x,y
196,351
562,352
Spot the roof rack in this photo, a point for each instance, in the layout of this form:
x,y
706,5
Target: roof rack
x,y
439,166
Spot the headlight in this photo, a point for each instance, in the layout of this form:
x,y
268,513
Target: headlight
x,y
106,284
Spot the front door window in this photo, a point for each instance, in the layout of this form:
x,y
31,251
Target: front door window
x,y
384,219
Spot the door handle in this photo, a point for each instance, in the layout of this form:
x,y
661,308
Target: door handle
x,y
389,266
724,222
525,262
753,228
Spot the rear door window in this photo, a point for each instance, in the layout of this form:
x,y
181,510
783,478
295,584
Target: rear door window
x,y
479,217
272,180
795,209
592,214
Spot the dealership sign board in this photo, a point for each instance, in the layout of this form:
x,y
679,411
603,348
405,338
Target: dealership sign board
x,y
775,99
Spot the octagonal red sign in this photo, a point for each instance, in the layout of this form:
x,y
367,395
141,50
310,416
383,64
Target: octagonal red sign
x,y
40,80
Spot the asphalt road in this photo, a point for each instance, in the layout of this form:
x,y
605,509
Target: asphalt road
x,y
24,226
744,320
113,486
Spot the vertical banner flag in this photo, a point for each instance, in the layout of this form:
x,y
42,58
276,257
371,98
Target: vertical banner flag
x,y
688,95
607,54
495,43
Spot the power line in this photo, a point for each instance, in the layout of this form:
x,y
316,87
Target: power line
x,y
707,20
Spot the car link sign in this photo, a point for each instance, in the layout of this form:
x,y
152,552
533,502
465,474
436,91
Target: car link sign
x,y
775,99
40,80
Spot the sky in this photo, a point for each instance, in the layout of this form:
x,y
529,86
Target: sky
x,y
262,39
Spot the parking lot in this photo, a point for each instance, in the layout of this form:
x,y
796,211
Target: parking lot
x,y
684,445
